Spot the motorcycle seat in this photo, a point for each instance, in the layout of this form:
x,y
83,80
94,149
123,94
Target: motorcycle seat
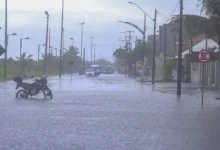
x,y
26,85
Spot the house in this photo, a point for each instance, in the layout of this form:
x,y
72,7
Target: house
x,y
211,68
150,41
168,37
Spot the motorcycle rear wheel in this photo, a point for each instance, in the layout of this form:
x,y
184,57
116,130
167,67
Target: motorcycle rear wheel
x,y
47,93
21,94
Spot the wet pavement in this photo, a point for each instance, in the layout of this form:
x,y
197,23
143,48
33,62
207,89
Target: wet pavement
x,y
109,112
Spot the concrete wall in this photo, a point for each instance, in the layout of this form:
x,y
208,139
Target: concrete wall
x,y
195,73
159,70
210,73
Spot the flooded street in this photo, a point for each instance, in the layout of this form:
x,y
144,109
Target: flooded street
x,y
108,112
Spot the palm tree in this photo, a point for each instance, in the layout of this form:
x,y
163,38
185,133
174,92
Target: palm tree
x,y
210,7
24,59
212,11
74,51
70,55
199,25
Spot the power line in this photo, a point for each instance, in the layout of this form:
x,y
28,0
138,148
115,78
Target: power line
x,y
163,15
178,3
168,18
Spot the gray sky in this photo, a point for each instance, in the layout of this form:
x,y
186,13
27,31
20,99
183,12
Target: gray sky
x,y
27,18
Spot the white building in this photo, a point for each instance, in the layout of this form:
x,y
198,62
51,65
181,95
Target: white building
x,y
211,68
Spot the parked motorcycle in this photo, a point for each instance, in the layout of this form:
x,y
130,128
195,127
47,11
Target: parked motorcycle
x,y
33,89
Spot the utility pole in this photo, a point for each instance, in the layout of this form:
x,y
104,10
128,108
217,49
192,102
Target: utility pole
x,y
129,38
38,53
126,42
91,48
129,50
145,69
136,40
94,53
61,39
50,50
154,47
49,42
179,78
46,46
6,39
84,57
81,52
72,39
20,56
174,47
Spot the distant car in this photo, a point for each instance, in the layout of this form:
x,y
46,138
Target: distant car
x,y
97,72
90,73
108,70
82,71
101,69
98,67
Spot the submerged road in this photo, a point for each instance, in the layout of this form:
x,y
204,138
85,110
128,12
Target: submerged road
x,y
109,112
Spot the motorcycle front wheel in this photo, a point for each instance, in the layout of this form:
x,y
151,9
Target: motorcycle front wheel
x,y
47,93
21,94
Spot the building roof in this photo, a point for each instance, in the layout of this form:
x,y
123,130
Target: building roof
x,y
200,46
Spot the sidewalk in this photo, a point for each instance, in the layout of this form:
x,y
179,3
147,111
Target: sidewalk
x,y
149,79
187,89
170,87
172,84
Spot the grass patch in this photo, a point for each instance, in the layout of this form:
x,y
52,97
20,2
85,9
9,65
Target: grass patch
x,y
13,71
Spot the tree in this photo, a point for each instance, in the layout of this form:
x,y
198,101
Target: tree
x,y
199,25
210,7
120,53
74,51
127,58
212,11
103,62
136,54
138,50
24,59
71,55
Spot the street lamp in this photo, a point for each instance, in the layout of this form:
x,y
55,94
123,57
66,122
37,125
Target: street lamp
x,y
94,53
141,10
21,39
81,39
91,47
45,56
50,50
55,50
6,54
50,55
72,39
13,34
61,39
144,37
39,45
6,39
